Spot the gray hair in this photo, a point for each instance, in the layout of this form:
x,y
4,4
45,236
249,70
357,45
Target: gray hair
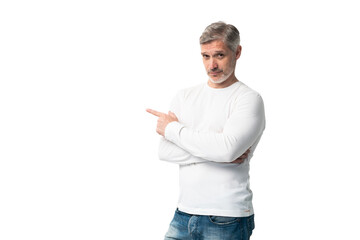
x,y
221,31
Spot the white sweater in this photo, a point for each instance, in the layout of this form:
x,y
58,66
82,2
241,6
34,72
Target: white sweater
x,y
215,127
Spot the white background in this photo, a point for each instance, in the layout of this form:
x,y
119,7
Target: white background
x,y
78,152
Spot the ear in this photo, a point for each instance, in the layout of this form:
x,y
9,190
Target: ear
x,y
238,52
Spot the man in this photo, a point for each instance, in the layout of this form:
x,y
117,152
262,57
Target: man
x,y
212,131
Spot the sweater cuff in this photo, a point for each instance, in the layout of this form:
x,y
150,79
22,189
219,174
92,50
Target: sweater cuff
x,y
172,132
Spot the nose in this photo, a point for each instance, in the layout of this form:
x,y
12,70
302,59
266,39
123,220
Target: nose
x,y
213,64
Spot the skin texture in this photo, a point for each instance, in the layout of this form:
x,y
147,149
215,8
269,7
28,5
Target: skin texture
x,y
163,120
219,62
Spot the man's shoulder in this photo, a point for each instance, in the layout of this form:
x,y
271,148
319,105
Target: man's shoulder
x,y
245,90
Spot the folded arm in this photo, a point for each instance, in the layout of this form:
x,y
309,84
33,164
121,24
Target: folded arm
x,y
243,128
170,152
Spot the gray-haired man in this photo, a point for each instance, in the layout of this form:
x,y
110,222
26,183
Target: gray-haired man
x,y
212,131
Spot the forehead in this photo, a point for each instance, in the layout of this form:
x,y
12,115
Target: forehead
x,y
214,46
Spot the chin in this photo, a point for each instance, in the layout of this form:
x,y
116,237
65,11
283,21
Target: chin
x,y
219,80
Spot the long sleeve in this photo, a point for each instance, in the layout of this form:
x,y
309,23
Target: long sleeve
x,y
170,152
242,129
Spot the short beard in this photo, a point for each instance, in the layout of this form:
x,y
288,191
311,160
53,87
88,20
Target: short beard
x,y
222,79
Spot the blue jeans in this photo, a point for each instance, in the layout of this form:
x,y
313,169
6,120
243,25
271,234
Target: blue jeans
x,y
186,226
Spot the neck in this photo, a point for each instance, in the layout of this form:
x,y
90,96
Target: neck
x,y
231,79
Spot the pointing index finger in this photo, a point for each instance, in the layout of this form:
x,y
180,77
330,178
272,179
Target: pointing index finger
x,y
153,112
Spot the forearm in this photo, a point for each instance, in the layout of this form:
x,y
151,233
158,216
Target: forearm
x,y
217,147
241,131
170,152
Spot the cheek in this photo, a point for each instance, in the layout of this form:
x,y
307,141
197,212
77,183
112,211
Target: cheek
x,y
229,64
205,64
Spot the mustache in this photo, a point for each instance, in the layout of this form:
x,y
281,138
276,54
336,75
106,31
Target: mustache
x,y
215,70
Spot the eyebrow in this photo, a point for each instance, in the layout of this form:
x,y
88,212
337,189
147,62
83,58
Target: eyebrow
x,y
216,52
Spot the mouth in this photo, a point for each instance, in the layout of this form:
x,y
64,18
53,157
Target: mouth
x,y
215,73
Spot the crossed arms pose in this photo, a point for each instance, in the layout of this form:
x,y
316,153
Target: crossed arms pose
x,y
169,151
183,145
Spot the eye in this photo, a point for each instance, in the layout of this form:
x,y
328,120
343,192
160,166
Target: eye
x,y
205,56
220,55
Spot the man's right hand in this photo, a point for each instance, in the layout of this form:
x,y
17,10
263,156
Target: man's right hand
x,y
242,158
163,120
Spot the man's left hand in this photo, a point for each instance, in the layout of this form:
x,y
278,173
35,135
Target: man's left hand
x,y
242,158
163,120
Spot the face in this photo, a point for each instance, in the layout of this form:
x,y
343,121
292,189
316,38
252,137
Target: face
x,y
219,60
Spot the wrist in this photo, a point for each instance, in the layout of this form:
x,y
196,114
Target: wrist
x,y
172,131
